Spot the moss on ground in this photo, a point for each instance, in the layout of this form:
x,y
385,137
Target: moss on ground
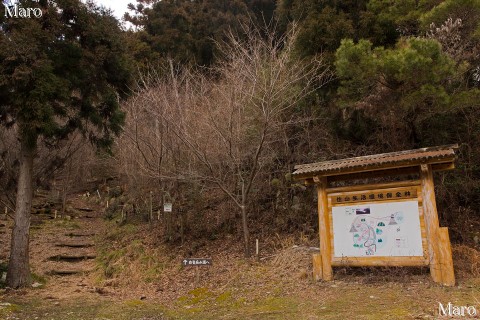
x,y
61,310
7,309
324,301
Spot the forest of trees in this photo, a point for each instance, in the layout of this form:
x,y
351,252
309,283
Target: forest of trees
x,y
214,99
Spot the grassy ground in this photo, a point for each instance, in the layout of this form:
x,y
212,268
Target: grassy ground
x,y
330,301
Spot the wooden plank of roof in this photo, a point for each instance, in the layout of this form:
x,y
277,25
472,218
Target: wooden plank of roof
x,y
409,158
378,173
374,161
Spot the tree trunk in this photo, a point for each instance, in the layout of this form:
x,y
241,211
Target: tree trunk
x,y
246,235
18,273
182,213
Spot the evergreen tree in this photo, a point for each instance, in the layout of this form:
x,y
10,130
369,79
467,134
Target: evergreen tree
x,y
323,23
413,80
186,31
60,72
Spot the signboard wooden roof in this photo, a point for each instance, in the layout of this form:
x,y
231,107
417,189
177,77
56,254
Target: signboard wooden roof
x,y
440,157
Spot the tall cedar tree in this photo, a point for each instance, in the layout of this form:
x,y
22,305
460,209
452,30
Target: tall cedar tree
x,y
186,31
62,72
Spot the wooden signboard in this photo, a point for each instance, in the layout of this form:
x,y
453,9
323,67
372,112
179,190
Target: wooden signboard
x,y
384,231
389,224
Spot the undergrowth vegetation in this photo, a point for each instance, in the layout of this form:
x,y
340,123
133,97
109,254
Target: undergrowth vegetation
x,y
126,258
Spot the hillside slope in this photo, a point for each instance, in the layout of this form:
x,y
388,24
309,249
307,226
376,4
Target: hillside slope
x,y
127,272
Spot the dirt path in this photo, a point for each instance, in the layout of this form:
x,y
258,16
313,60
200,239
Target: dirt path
x,y
63,252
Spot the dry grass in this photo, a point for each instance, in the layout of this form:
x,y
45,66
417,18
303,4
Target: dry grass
x,y
293,261
466,261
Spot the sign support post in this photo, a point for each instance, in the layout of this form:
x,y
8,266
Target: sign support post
x,y
441,265
324,230
431,221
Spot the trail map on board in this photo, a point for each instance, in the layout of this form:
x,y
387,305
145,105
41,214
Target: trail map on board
x,y
377,229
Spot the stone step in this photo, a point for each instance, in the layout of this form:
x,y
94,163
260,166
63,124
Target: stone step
x,y
77,234
74,245
87,217
66,272
72,258
85,209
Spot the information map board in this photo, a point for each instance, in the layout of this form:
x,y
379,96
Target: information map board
x,y
389,229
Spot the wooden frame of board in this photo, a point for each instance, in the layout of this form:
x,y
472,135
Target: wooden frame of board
x,y
435,240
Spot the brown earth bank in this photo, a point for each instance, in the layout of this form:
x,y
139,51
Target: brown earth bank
x,y
86,267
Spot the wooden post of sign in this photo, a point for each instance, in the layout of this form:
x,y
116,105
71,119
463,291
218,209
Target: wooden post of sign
x,y
317,267
197,276
324,229
438,249
448,274
150,215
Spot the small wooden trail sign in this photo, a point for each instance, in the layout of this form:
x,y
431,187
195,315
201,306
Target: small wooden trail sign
x,y
167,207
388,224
196,262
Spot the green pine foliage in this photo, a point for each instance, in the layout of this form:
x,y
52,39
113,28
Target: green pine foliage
x,y
364,69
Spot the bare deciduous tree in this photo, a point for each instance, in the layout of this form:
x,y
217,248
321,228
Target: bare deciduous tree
x,y
223,130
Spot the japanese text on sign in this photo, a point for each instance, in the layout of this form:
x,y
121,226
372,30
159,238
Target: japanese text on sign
x,y
375,196
196,262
